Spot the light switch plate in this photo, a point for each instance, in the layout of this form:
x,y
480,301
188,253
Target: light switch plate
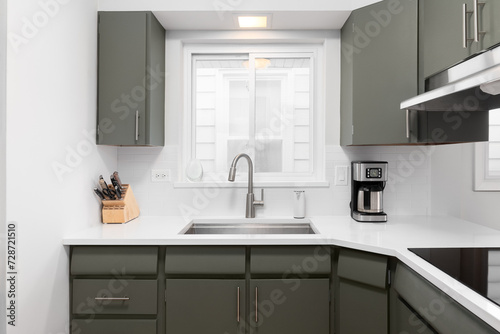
x,y
341,175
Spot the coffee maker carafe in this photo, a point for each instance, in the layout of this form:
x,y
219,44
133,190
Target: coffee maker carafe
x,y
367,186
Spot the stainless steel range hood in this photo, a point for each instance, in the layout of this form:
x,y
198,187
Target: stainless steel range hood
x,y
473,85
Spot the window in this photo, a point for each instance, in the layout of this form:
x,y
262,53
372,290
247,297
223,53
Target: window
x,y
259,103
487,155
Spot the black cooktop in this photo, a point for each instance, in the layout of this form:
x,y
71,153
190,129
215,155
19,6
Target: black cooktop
x,y
467,265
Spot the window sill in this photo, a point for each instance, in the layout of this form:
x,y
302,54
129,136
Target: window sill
x,y
243,184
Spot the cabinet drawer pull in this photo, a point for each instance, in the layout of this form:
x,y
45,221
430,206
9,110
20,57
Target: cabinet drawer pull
x,y
238,306
465,25
477,33
124,299
256,302
136,125
407,123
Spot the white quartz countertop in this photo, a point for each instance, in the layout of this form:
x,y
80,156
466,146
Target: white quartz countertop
x,y
392,238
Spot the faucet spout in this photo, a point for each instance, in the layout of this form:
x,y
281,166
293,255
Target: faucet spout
x,y
232,170
251,202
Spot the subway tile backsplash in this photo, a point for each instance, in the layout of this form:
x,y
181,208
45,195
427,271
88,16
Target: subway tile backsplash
x,y
407,192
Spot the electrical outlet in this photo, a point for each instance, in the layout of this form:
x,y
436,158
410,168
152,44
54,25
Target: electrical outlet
x,y
160,175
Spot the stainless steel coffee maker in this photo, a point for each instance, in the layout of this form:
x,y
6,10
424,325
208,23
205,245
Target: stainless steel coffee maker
x,y
367,187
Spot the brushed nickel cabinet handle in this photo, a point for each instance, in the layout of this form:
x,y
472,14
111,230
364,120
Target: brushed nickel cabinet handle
x,y
256,301
465,26
238,306
113,298
477,33
407,123
136,125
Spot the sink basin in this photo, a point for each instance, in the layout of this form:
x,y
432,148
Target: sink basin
x,y
249,226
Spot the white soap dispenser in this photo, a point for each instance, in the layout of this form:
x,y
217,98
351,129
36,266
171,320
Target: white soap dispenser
x,y
299,204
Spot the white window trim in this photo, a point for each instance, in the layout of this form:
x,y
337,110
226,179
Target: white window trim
x,y
318,179
482,181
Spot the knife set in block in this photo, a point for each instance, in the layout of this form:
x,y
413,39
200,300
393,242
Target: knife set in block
x,y
122,210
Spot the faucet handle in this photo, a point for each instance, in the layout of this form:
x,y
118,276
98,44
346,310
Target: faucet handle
x,y
261,202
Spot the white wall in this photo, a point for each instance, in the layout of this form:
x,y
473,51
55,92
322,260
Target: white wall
x,y
51,102
452,187
407,193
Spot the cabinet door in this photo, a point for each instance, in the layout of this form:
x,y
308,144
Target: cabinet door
x,y
445,315
208,306
362,309
130,79
291,306
441,31
382,55
405,320
122,70
362,299
489,22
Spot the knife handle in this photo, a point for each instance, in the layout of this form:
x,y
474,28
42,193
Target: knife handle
x,y
99,193
107,194
102,183
114,182
117,178
118,192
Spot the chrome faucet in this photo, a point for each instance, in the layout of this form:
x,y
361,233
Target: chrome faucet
x,y
251,202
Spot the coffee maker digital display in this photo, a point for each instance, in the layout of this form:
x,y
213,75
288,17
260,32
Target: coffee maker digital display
x,y
367,186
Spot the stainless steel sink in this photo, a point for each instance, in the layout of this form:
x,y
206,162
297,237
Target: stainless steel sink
x,y
249,226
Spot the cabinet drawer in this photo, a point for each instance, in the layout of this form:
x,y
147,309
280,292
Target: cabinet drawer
x,y
290,259
141,294
218,260
114,260
362,267
113,326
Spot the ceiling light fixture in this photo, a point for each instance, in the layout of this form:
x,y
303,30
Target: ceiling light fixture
x,y
253,21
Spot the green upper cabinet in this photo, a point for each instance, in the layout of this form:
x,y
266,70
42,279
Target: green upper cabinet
x,y
442,35
379,60
131,79
489,22
443,39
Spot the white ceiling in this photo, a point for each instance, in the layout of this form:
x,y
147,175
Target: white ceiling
x,y
218,14
313,20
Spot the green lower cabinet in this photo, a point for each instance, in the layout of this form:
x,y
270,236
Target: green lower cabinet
x,y
438,309
405,320
208,306
362,309
362,297
289,306
113,326
115,290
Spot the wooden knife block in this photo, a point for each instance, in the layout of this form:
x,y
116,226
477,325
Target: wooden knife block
x,y
120,211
